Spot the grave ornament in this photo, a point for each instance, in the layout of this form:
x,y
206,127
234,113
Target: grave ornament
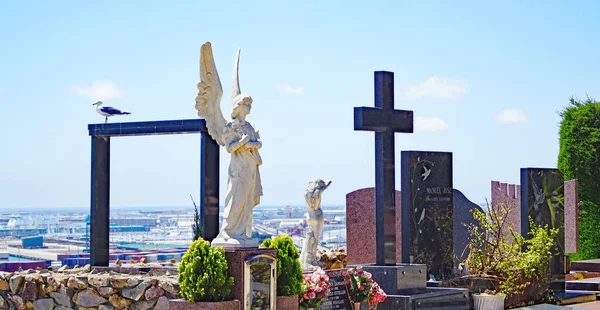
x,y
315,221
242,141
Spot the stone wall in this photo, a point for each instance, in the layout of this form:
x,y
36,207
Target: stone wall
x,y
510,196
82,288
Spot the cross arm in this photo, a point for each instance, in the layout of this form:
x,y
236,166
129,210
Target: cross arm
x,y
380,120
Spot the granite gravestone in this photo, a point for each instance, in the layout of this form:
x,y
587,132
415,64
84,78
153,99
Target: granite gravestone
x,y
462,215
338,297
571,217
542,199
426,188
360,227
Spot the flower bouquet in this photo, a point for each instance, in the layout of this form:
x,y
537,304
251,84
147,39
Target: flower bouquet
x,y
314,288
361,287
258,300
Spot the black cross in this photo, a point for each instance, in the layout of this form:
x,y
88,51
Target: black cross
x,y
385,121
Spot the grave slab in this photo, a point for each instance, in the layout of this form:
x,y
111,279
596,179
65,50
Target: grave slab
x,y
462,215
360,227
571,217
427,197
542,199
587,285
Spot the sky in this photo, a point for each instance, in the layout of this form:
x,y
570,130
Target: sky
x,y
485,80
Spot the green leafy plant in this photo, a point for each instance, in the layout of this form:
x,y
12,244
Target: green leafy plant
x,y
203,273
289,271
510,260
197,225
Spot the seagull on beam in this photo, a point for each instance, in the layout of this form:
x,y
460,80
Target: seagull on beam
x,y
107,111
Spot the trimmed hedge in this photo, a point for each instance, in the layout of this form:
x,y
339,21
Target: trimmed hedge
x,y
589,234
579,158
579,155
203,273
289,271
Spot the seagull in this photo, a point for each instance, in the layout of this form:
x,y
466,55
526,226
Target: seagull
x,y
107,111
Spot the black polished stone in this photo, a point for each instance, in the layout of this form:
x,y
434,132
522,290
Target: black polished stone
x,y
427,208
542,199
462,217
100,201
385,121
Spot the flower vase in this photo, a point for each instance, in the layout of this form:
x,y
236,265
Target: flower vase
x,y
356,306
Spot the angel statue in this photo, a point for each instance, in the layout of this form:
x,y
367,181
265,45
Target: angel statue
x,y
241,140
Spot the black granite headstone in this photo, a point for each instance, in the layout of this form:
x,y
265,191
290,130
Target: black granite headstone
x,y
542,199
338,297
427,195
462,217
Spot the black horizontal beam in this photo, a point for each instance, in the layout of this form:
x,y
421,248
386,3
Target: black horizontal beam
x,y
148,128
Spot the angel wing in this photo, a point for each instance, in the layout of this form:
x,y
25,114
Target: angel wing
x,y
210,91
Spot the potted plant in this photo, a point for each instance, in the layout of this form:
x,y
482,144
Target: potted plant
x,y
258,300
315,287
289,271
361,287
203,278
509,263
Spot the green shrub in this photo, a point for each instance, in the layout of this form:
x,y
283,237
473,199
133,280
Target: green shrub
x,y
589,234
289,272
202,273
579,154
579,158
496,251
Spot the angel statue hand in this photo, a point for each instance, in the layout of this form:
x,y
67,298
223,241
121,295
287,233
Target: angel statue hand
x,y
245,138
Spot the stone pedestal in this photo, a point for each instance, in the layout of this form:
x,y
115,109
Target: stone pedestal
x,y
235,259
180,304
287,302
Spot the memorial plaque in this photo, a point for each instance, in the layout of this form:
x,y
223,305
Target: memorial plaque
x,y
338,297
260,289
427,198
542,199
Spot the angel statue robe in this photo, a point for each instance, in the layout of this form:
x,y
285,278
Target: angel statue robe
x,y
243,186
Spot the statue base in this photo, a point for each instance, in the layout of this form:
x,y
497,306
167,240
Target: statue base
x,y
234,243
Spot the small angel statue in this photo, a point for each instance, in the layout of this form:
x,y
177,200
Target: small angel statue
x,y
241,140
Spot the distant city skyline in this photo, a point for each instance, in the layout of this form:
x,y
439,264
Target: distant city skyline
x,y
485,81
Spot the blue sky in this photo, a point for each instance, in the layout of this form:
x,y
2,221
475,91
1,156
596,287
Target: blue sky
x,y
485,81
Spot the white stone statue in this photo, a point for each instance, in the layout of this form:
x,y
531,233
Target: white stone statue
x,y
314,220
242,141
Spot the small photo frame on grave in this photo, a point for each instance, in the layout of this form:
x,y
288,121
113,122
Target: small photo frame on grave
x,y
260,282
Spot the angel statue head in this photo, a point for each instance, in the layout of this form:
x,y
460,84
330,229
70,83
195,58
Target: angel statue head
x,y
240,103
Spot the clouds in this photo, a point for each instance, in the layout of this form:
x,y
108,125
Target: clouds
x,y
434,87
430,124
289,89
99,90
511,116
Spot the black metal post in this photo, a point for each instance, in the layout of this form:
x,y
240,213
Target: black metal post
x,y
100,201
209,186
